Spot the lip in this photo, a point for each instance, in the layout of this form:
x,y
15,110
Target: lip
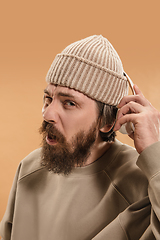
x,y
51,141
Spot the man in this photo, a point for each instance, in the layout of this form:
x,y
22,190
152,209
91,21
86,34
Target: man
x,y
82,183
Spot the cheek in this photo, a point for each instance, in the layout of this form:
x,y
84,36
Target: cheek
x,y
80,123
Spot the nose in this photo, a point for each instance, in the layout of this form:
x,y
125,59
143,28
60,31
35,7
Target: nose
x,y
50,113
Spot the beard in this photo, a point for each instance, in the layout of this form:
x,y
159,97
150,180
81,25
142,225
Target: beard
x,y
62,157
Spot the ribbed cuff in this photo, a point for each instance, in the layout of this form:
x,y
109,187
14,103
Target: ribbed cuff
x,y
149,160
95,81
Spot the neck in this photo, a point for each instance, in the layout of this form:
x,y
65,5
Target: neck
x,y
97,150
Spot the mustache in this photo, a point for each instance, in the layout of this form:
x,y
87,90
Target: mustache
x,y
48,129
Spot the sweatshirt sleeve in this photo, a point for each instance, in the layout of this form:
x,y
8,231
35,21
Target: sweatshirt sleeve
x,y
6,223
141,220
149,163
131,224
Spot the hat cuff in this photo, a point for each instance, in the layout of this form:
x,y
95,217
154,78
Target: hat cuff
x,y
90,78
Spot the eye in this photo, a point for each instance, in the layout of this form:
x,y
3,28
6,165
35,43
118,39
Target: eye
x,y
69,104
47,100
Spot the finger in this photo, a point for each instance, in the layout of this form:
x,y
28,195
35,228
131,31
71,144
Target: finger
x,y
139,97
134,98
125,119
137,90
130,108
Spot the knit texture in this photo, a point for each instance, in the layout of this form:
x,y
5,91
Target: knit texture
x,y
93,67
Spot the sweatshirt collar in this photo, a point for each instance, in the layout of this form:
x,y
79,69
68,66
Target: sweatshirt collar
x,y
100,164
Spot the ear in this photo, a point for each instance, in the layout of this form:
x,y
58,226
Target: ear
x,y
106,128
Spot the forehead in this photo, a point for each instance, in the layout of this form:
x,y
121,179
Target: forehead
x,y
54,90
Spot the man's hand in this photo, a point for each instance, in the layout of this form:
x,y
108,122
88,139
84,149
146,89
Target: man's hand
x,y
146,119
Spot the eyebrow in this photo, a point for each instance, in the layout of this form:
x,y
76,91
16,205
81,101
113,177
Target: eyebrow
x,y
46,91
60,94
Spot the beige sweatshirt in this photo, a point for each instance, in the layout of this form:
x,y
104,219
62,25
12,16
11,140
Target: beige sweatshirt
x,y
107,199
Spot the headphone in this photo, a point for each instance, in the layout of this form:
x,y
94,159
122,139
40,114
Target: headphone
x,y
128,127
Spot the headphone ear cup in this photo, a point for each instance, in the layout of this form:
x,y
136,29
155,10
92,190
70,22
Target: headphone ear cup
x,y
127,128
123,129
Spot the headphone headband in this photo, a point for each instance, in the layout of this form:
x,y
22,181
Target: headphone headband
x,y
130,83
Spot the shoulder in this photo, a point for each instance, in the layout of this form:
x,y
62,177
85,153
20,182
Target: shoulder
x,y
125,175
121,154
30,164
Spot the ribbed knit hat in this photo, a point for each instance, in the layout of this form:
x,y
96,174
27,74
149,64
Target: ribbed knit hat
x,y
93,67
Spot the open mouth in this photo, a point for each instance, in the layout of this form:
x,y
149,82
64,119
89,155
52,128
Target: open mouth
x,y
51,136
51,139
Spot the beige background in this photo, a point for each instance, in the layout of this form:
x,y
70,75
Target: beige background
x,y
33,31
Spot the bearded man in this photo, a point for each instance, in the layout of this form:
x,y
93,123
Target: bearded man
x,y
83,183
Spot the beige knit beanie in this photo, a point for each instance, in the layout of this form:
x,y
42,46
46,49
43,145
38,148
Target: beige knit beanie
x,y
93,67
